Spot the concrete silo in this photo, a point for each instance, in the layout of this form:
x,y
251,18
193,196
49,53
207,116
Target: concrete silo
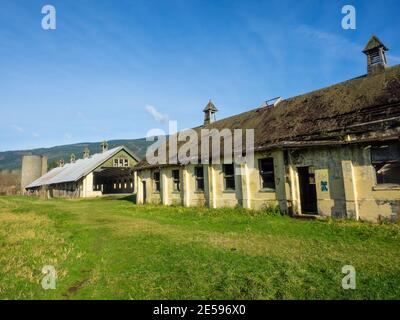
x,y
33,167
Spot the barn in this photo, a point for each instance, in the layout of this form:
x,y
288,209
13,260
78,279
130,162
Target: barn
x,y
106,173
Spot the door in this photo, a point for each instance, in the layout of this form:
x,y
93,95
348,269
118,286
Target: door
x,y
144,191
308,190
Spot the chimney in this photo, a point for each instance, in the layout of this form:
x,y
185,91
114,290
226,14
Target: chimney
x,y
72,158
86,153
61,163
375,51
104,146
209,113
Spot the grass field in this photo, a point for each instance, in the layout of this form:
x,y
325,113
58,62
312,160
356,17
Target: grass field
x,y
113,249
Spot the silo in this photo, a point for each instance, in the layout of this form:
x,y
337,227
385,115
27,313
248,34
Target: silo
x,y
33,167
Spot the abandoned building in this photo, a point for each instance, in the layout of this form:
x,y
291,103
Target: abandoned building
x,y
333,152
109,172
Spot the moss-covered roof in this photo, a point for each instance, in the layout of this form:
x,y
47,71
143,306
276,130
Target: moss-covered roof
x,y
318,112
374,43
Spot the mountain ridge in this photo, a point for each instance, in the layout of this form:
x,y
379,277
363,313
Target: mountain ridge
x,y
11,160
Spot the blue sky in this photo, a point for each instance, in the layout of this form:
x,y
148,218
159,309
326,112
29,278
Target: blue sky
x,y
115,69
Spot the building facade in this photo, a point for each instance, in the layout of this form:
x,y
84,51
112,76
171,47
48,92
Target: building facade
x,y
333,152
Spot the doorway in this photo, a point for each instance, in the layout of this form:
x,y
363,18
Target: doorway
x,y
308,190
144,191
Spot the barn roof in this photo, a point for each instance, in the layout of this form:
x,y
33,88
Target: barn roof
x,y
72,172
319,113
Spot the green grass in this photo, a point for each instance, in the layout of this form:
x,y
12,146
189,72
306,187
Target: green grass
x,y
113,249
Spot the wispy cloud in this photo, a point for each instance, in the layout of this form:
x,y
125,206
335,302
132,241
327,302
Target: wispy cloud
x,y
17,128
35,135
157,116
68,136
336,43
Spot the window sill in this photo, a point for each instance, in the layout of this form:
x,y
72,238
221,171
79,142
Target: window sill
x,y
229,191
199,192
267,190
176,192
386,186
156,192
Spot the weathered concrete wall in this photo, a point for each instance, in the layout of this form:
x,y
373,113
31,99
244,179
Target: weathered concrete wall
x,y
344,177
87,187
328,170
352,188
214,194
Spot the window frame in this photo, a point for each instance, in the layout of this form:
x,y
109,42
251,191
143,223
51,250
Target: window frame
x,y
382,163
263,173
176,180
199,178
229,176
120,162
157,183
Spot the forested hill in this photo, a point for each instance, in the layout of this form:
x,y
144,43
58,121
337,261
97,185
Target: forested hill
x,y
12,159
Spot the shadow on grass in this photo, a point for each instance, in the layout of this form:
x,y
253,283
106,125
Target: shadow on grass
x,y
130,198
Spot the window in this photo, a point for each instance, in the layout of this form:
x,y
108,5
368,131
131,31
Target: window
x,y
176,180
229,176
266,167
386,162
199,174
157,185
121,162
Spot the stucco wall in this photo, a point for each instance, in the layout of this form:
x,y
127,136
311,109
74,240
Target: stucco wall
x,y
351,181
346,172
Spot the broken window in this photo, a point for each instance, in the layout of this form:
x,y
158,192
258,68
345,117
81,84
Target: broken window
x,y
176,180
266,167
199,173
229,176
157,184
386,162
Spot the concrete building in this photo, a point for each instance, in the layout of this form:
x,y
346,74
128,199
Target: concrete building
x,y
109,172
332,152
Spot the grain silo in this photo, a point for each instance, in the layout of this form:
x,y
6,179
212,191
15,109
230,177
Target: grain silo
x,y
33,167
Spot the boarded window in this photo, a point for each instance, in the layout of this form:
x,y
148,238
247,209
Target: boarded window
x,y
199,173
386,161
266,167
229,176
157,185
176,180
